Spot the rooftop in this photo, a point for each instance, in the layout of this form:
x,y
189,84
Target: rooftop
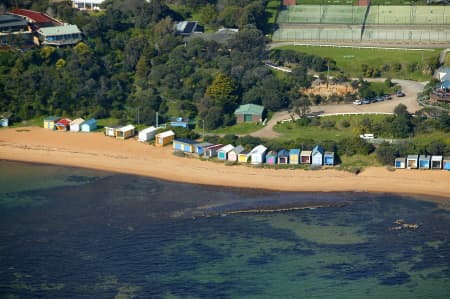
x,y
7,21
77,121
294,151
35,16
60,30
186,27
249,109
126,128
184,140
259,149
166,134
227,148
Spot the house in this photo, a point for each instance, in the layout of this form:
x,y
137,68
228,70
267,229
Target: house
x,y
211,151
63,124
147,134
424,161
412,161
125,132
35,18
283,157
317,156
222,154
436,162
199,148
4,122
249,113
184,145
75,125
234,153
66,34
258,154
446,163
89,125
111,130
14,31
186,28
400,163
243,156
271,157
50,121
164,138
328,158
294,156
181,122
305,157
87,4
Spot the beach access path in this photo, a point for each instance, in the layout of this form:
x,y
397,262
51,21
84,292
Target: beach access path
x,y
96,151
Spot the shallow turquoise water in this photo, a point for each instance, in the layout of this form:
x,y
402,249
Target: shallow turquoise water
x,y
70,232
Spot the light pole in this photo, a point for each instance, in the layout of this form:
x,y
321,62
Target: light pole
x,y
203,129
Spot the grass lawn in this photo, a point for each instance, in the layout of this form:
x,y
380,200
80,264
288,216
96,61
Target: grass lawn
x,y
349,60
381,88
238,129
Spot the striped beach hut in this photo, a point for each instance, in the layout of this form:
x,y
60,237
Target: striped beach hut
x,y
147,134
328,158
412,161
234,153
271,157
199,148
244,156
184,145
89,125
125,132
211,151
305,157
62,124
294,156
258,154
283,156
164,138
50,121
400,163
75,125
317,156
222,154
436,162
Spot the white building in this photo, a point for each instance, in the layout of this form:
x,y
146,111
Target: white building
x,y
258,154
87,4
75,125
147,134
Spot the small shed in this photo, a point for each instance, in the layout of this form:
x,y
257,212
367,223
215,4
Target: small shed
x,y
244,156
328,158
400,163
234,154
317,155
199,148
75,125
305,157
412,161
283,157
446,163
125,132
111,130
164,138
249,113
50,121
147,134
211,151
63,124
424,162
89,125
294,156
271,157
258,154
184,145
436,162
181,122
4,122
222,154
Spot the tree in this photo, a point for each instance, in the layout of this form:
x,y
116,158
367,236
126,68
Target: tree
x,y
222,90
386,153
301,106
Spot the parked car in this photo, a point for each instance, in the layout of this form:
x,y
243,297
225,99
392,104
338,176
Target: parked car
x,y
400,94
357,102
380,99
387,97
366,101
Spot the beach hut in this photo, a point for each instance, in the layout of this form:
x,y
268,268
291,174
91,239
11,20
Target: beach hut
x,y
305,157
283,157
424,162
62,124
125,132
294,156
184,145
234,153
75,125
446,163
328,158
412,161
147,134
436,162
89,125
317,156
49,122
271,157
222,154
258,154
199,148
243,156
400,163
164,138
211,151
111,130
4,122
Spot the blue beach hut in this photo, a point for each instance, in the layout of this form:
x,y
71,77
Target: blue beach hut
x,y
283,157
328,158
89,125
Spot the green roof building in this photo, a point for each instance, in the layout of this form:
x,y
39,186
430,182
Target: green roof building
x,y
249,113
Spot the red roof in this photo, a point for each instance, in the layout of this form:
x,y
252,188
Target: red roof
x,y
64,121
35,16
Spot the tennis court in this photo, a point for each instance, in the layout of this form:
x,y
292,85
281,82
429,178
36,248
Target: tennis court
x,y
408,15
323,14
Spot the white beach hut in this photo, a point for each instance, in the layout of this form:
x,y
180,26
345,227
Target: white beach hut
x,y
75,125
147,134
258,154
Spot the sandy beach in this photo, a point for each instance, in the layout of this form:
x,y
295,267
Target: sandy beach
x,y
96,151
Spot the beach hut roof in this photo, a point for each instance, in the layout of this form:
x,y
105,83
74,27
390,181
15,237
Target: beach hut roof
x,y
436,158
413,157
214,146
227,148
148,130
259,149
113,127
272,153
245,152
294,151
166,134
77,121
424,157
126,128
306,153
51,118
203,144
283,153
238,149
185,140
317,149
90,121
329,154
400,159
64,121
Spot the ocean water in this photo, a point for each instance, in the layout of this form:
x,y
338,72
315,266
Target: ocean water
x,y
70,233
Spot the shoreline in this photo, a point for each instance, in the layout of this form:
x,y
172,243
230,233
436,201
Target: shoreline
x,y
96,151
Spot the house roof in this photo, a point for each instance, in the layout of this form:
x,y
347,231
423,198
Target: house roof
x,y
64,121
259,149
415,157
7,21
186,27
51,118
77,121
185,140
238,149
166,134
126,128
34,16
227,148
306,153
148,130
60,30
250,109
294,151
283,153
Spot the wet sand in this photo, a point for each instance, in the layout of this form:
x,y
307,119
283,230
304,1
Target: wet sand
x,y
96,151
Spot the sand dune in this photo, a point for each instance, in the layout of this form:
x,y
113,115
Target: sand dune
x,y
95,151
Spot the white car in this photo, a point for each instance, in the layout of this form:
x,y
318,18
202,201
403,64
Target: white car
x,y
357,102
